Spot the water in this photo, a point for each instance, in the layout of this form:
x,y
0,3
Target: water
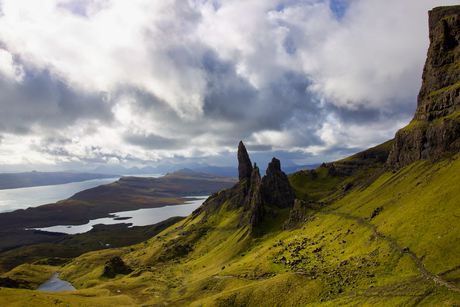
x,y
141,217
54,284
22,198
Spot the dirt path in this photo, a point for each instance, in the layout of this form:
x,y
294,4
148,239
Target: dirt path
x,y
417,260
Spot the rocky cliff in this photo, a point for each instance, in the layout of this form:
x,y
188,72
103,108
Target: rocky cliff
x,y
435,129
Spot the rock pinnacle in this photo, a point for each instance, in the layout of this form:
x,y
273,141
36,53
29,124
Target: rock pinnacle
x,y
244,163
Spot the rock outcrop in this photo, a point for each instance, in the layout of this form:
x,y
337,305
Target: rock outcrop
x,y
7,282
253,193
115,266
276,187
435,128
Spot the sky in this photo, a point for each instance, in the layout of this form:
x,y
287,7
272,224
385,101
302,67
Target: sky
x,y
85,83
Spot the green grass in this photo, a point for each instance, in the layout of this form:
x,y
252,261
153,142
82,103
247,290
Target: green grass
x,y
311,188
413,125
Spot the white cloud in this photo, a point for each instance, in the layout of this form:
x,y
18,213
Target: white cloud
x,y
125,42
10,69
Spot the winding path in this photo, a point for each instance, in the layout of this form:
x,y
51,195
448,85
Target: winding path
x,y
417,260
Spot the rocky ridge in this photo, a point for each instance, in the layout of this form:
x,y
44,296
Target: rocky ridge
x,y
435,129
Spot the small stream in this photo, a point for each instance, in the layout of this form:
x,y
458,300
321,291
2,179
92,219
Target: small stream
x,y
54,284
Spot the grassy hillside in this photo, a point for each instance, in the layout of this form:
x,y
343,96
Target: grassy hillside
x,y
389,239
327,181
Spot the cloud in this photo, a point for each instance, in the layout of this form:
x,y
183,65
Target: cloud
x,y
373,59
259,147
152,141
38,101
94,81
84,8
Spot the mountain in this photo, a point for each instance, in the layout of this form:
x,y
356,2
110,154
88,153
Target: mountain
x,y
379,228
196,167
160,169
110,169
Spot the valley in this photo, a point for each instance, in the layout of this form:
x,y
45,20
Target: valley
x,y
128,193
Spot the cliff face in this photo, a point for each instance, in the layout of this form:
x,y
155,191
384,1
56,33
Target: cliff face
x,y
253,193
435,128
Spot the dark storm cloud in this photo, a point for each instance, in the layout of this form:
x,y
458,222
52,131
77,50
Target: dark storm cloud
x,y
229,96
233,99
362,115
39,99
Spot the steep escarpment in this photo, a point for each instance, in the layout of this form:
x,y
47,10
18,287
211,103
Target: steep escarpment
x,y
254,194
435,128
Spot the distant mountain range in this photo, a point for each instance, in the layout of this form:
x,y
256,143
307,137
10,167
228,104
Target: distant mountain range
x,y
34,178
194,167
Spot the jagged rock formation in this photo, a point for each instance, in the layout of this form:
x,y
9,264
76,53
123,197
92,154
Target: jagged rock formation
x,y
435,128
255,201
276,187
244,163
253,193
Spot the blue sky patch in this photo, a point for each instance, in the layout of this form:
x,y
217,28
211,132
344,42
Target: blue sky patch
x,y
339,7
